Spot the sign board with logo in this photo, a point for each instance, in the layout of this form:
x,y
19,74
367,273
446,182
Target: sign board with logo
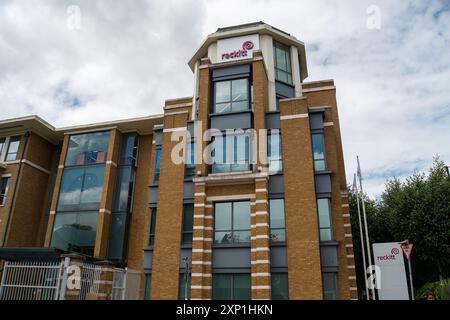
x,y
237,48
389,258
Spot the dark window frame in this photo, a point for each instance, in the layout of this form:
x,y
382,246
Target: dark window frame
x,y
187,232
270,133
330,218
239,243
157,164
13,139
152,231
315,160
4,188
288,70
249,95
234,166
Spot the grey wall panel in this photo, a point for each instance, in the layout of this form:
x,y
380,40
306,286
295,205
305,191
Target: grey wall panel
x,y
153,196
242,70
284,90
148,258
276,184
231,257
188,190
273,120
239,120
323,183
316,120
278,257
329,256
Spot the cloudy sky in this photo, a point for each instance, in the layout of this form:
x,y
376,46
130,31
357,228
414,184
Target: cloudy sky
x,y
124,58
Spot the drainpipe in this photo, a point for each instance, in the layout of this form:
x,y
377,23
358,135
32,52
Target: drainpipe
x,y
13,195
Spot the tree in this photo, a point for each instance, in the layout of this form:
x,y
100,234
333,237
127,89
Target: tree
x,y
417,209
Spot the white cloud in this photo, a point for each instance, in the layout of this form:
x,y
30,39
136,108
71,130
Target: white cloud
x,y
128,56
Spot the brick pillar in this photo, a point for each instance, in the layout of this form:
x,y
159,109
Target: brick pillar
x,y
260,242
166,253
204,108
346,251
303,250
201,281
109,182
54,203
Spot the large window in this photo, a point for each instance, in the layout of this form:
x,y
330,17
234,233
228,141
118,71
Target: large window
x,y
280,288
232,287
188,223
123,197
157,165
117,235
231,95
4,187
318,151
89,148
282,57
232,222
147,286
75,232
182,287
13,148
329,286
274,153
277,220
231,153
190,159
151,240
323,208
81,188
80,193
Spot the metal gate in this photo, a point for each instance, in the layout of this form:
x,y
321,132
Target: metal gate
x,y
31,280
126,284
48,280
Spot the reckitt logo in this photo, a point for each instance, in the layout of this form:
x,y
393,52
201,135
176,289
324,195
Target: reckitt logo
x,y
391,256
247,45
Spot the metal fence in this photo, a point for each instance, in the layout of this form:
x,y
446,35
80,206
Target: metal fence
x,y
31,280
126,284
54,280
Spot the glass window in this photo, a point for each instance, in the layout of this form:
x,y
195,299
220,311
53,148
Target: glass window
x,y
2,144
124,189
188,223
282,57
13,148
231,95
329,286
89,148
277,220
157,164
231,153
128,150
232,286
147,286
151,240
182,287
318,150
190,159
75,231
323,208
81,188
280,288
4,187
232,222
117,231
274,152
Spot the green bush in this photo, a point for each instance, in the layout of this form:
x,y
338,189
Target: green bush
x,y
440,289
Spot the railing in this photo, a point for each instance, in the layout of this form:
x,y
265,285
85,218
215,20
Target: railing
x,y
67,279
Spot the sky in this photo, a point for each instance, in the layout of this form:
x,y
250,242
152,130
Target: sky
x,y
77,62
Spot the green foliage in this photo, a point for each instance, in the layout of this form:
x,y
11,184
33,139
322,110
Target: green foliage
x,y
440,289
417,209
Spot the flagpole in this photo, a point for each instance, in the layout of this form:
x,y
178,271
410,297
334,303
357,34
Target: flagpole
x,y
369,253
363,251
